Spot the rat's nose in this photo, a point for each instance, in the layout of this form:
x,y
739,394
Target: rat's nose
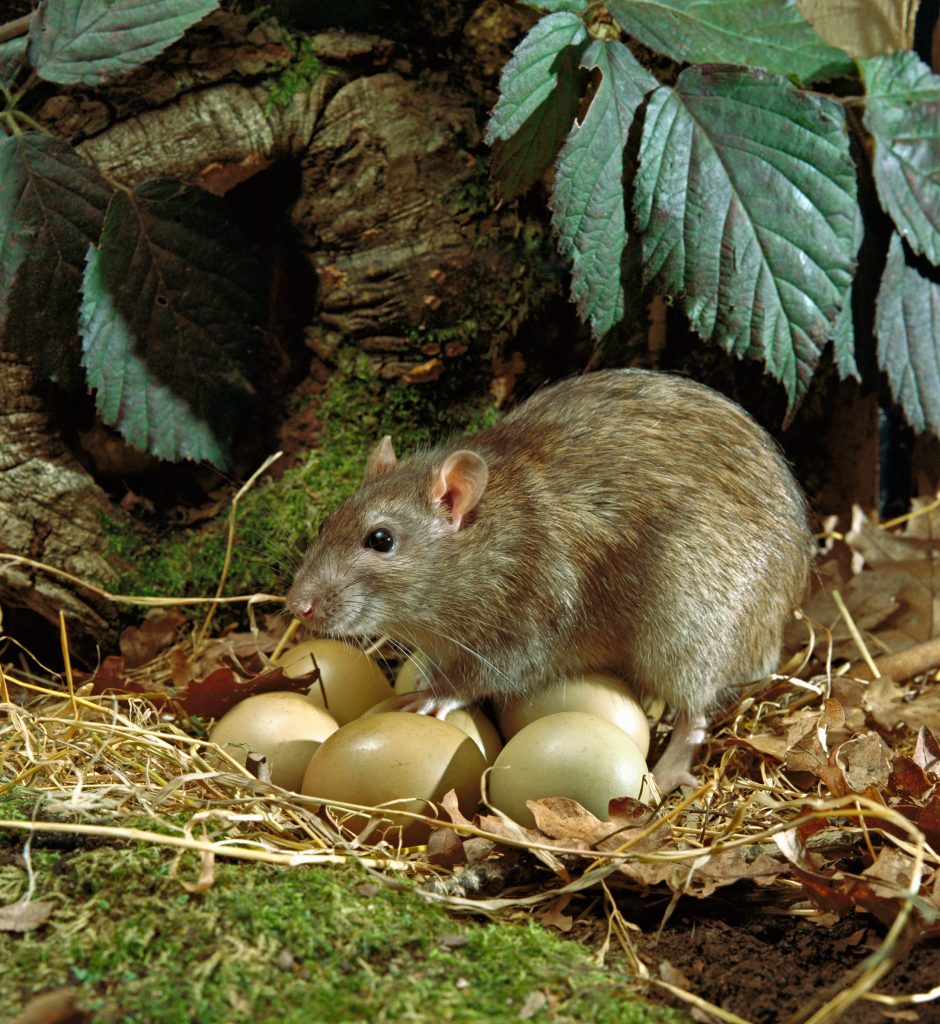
x,y
301,606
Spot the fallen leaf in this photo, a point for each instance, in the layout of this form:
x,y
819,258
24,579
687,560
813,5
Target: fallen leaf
x,y
713,871
552,914
890,706
450,804
875,545
765,743
928,821
222,689
563,818
534,1002
865,762
54,1007
927,751
25,915
674,976
160,629
908,778
445,848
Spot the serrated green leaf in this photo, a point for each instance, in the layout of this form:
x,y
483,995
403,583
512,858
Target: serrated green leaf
x,y
531,74
87,42
843,341
148,415
746,194
907,325
12,58
520,161
52,205
902,111
769,34
16,229
587,201
550,6
843,330
173,294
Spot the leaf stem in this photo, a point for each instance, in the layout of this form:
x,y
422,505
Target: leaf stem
x,y
17,27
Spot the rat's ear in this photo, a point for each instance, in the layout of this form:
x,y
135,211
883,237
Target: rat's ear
x,y
381,459
459,484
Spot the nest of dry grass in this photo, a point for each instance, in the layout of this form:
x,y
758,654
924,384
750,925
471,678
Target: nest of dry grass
x,y
821,785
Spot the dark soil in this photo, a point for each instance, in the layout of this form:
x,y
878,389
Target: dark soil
x,y
765,967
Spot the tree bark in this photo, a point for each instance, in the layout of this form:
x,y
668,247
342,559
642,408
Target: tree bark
x,y
50,512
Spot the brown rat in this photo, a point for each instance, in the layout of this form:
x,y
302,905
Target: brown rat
x,y
626,520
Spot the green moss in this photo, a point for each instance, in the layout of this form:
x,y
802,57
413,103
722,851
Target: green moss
x,y
297,945
304,69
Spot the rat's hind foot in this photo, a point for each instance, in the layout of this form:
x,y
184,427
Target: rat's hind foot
x,y
674,768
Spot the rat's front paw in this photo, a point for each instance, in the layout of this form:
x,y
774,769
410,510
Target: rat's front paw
x,y
424,703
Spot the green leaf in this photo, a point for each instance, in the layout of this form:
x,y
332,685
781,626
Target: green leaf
x,y
902,111
907,324
12,58
576,6
172,295
520,161
530,77
769,34
843,341
87,42
746,195
843,330
52,205
588,201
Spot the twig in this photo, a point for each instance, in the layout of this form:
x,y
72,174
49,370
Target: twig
x,y
230,543
902,665
17,27
855,633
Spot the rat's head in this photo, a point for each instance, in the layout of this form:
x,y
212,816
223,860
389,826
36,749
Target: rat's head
x,y
386,556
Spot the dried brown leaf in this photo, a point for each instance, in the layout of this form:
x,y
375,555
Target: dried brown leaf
x,y
806,749
863,28
908,778
927,751
715,871
883,884
890,706
451,806
674,976
109,676
445,848
928,821
563,818
54,1007
875,546
221,690
924,521
865,762
160,629
25,915
553,916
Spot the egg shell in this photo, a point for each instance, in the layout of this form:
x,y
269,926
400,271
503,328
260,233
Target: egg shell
x,y
351,680
394,756
596,693
406,681
470,720
285,727
572,754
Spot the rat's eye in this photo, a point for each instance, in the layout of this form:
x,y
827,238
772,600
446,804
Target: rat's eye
x,y
380,540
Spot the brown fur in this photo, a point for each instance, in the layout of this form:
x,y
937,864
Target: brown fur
x,y
631,521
